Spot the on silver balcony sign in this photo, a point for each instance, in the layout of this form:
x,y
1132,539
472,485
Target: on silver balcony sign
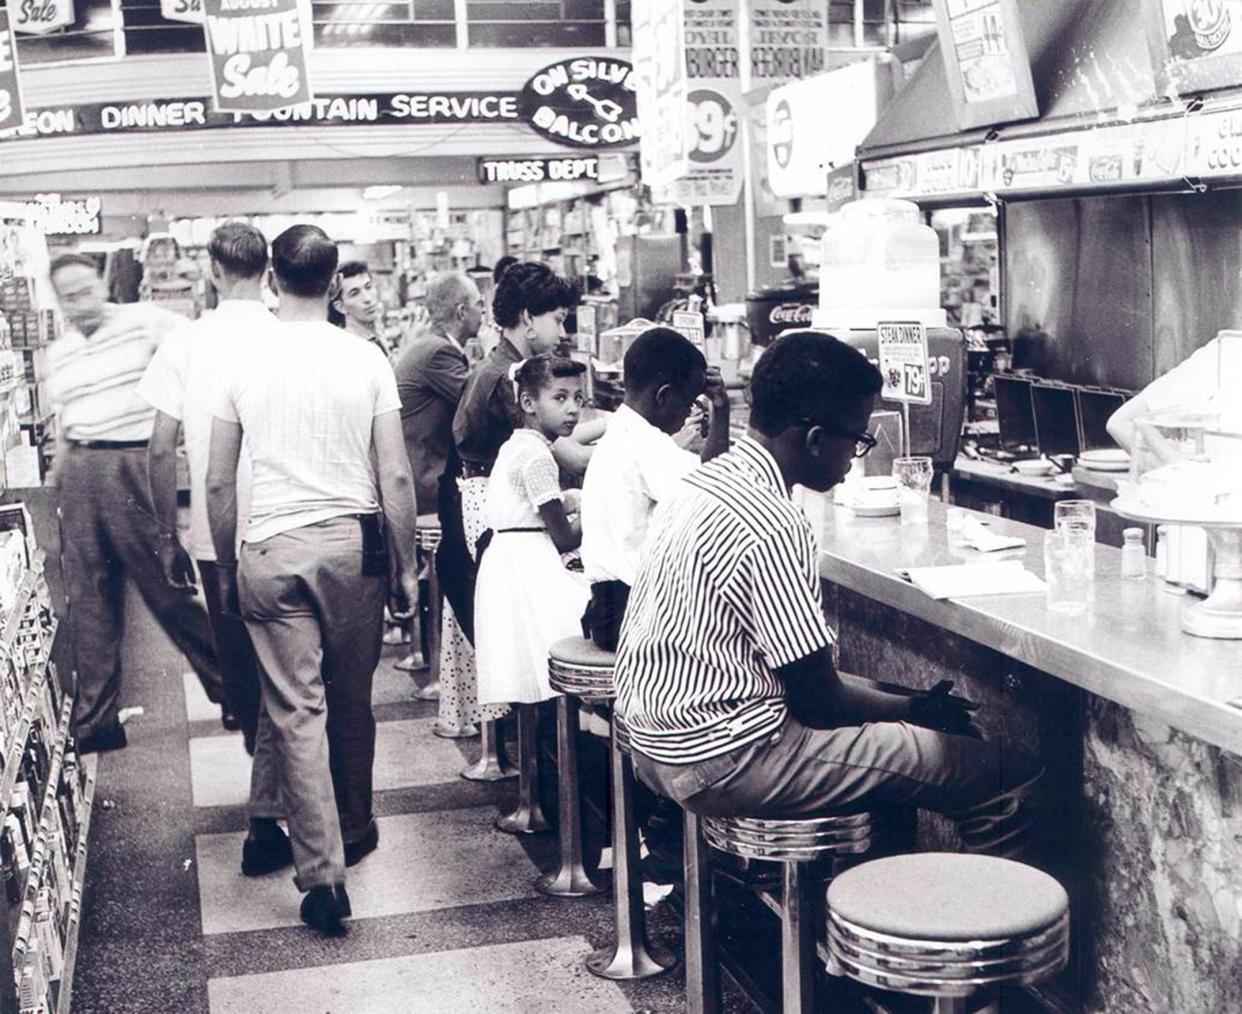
x,y
588,102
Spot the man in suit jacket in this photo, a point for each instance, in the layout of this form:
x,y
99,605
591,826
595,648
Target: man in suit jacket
x,y
431,372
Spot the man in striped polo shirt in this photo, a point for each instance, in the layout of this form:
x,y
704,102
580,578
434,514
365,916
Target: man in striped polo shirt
x,y
724,671
108,525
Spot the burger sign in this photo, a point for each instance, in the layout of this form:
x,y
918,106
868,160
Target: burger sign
x,y
588,102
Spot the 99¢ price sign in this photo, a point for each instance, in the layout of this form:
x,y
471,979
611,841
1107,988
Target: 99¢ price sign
x,y
903,362
713,126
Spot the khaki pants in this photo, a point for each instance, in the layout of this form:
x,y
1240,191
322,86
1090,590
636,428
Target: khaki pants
x,y
317,623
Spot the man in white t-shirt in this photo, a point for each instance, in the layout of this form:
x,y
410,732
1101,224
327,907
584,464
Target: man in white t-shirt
x,y
637,463
182,384
316,408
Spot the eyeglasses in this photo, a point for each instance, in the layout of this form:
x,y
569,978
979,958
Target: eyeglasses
x,y
864,443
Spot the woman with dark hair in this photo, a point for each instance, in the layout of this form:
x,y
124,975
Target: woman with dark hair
x,y
530,305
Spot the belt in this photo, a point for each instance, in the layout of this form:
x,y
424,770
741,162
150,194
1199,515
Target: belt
x,y
109,445
473,470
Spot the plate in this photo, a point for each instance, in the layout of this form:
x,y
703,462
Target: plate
x,y
887,511
1105,460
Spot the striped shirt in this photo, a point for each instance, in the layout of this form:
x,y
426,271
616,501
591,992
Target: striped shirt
x,y
727,593
93,382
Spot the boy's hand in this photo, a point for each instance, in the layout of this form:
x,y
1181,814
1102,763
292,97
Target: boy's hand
x,y
714,389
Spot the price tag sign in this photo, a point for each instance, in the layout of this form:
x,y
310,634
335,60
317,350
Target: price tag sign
x,y
903,362
258,61
690,324
183,10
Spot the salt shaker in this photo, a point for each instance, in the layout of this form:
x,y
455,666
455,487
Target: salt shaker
x,y
1133,555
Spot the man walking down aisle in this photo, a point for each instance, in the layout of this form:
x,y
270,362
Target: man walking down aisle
x,y
182,384
312,579
356,299
109,528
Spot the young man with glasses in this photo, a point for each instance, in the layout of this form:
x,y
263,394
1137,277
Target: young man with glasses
x,y
724,672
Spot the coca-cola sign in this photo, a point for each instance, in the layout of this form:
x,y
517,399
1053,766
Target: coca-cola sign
x,y
38,17
791,314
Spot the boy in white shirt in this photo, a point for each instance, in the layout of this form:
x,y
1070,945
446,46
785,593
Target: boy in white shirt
x,y
636,464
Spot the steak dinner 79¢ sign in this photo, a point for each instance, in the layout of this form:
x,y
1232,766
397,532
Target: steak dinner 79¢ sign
x,y
258,54
903,362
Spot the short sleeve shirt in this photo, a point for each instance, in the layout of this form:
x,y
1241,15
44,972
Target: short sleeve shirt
x,y
183,381
1192,383
306,399
633,467
728,592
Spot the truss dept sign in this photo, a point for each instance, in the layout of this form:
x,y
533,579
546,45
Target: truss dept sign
x,y
584,103
257,50
537,170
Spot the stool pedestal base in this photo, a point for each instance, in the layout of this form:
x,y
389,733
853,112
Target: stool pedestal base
x,y
632,956
492,765
571,879
528,818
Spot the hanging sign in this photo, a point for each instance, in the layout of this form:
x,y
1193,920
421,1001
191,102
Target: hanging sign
x,y
986,61
903,362
715,151
257,50
53,216
660,75
537,170
182,10
588,102
690,324
1195,45
783,40
11,114
38,17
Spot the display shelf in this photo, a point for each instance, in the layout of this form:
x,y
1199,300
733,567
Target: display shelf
x,y
17,745
39,854
13,622
65,993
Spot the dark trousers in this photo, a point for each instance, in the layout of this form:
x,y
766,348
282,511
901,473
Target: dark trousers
x,y
108,534
602,620
239,667
455,567
317,623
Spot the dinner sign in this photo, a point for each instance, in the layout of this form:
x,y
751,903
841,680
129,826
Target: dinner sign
x,y
258,53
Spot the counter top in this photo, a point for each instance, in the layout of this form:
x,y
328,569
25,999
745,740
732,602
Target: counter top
x,y
1130,649
997,474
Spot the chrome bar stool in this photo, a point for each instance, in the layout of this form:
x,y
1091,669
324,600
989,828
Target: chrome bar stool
x,y
794,843
427,539
528,817
949,926
492,765
632,956
578,671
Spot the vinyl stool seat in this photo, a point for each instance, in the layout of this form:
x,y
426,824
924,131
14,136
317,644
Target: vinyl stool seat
x,y
796,843
427,532
576,666
947,925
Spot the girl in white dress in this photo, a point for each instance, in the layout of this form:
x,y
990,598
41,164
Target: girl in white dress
x,y
525,599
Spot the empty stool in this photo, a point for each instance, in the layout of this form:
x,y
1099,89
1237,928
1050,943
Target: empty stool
x,y
579,671
427,539
631,956
528,816
947,925
796,844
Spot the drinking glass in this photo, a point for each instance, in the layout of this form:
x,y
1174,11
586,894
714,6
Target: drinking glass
x,y
1069,569
1074,516
914,477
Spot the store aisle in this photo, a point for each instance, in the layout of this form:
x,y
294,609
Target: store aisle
x,y
446,918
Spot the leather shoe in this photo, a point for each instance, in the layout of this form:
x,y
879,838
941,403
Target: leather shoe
x,y
261,856
229,720
110,737
324,907
359,850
